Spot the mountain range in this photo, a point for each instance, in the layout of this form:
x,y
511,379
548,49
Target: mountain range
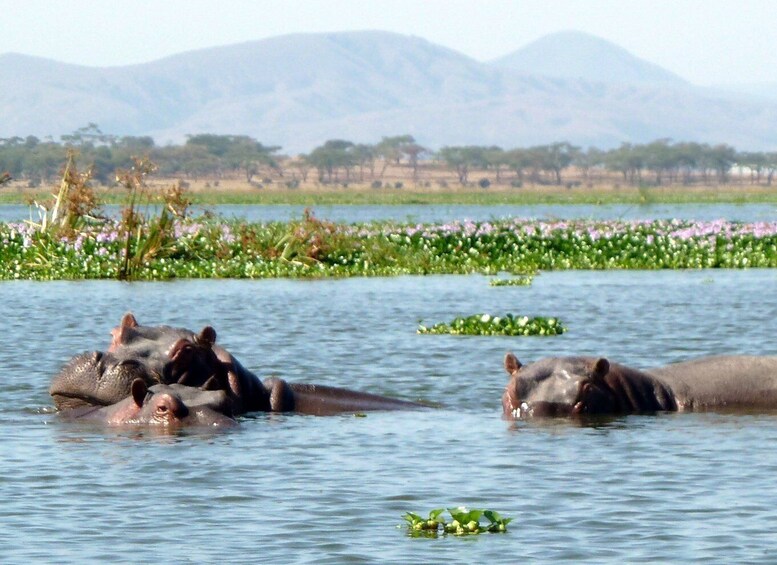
x,y
299,90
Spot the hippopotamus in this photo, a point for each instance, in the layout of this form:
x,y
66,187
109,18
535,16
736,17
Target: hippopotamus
x,y
167,355
160,405
569,386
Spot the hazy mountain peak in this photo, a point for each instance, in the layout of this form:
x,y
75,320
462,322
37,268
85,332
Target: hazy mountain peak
x,y
299,90
574,54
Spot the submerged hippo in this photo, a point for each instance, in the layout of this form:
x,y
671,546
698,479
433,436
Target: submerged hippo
x,y
568,386
163,354
161,405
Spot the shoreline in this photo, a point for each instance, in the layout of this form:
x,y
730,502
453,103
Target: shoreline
x,y
203,193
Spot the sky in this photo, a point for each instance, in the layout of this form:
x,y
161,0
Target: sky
x,y
707,42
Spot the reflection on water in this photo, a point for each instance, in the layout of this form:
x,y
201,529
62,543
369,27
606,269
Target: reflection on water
x,y
288,488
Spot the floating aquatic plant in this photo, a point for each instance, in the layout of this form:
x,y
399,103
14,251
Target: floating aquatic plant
x,y
463,522
523,280
485,324
175,246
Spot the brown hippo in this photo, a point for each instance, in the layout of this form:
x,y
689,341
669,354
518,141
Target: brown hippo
x,y
567,386
167,355
161,405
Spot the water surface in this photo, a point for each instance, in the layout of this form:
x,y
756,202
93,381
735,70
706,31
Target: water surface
x,y
288,488
446,213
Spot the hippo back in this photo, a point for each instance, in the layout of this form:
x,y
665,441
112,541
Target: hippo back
x,y
722,381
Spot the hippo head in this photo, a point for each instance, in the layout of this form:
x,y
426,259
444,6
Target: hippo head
x,y
97,379
176,355
155,355
556,386
162,405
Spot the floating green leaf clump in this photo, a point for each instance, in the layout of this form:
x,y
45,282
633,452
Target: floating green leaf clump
x,y
485,324
524,280
464,522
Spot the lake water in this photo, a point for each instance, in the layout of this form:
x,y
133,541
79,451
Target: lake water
x,y
299,489
435,213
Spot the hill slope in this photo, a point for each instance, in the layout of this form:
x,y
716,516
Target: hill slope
x,y
573,54
299,90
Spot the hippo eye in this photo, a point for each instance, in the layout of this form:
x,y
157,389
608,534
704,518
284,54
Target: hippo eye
x,y
162,409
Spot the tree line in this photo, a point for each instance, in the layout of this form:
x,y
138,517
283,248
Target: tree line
x,y
340,161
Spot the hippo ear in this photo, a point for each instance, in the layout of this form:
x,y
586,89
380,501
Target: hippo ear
x,y
512,365
600,369
128,321
207,336
121,334
139,390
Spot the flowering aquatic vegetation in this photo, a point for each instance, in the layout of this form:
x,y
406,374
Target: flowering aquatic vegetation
x,y
464,522
485,324
524,280
214,248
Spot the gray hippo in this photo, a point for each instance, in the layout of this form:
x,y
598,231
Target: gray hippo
x,y
569,386
161,405
167,355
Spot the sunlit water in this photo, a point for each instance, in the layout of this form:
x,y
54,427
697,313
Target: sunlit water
x,y
288,488
445,213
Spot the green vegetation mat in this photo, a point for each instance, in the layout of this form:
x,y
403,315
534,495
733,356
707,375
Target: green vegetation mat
x,y
172,247
485,324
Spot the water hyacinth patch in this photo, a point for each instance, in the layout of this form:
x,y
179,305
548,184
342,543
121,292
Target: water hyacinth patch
x,y
463,522
485,324
213,248
524,280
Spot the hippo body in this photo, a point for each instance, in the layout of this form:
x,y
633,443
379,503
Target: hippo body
x,y
569,386
161,405
177,356
734,382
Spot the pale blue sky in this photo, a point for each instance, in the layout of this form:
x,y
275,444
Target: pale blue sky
x,y
704,41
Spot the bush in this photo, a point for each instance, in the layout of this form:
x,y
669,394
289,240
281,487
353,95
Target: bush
x,y
516,184
376,184
398,184
484,183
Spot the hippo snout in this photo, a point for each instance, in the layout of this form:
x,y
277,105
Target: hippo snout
x,y
542,410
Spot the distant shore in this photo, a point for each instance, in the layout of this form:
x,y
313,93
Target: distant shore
x,y
232,192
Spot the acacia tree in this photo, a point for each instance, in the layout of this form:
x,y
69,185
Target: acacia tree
x,y
721,158
770,167
250,155
462,158
755,162
496,158
333,155
586,161
519,160
627,160
364,158
413,151
390,149
554,158
236,152
660,159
